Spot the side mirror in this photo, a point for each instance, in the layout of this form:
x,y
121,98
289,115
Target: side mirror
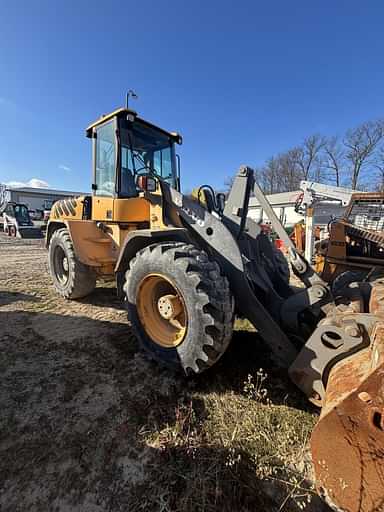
x,y
146,183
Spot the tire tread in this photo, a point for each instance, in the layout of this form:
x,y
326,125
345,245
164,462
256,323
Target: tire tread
x,y
211,292
82,279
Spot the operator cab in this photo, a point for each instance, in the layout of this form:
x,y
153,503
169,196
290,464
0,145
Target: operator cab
x,y
20,213
125,147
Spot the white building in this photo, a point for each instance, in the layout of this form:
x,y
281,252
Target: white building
x,y
283,204
34,198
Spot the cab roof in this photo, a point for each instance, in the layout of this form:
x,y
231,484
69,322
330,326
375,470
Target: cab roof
x,y
121,112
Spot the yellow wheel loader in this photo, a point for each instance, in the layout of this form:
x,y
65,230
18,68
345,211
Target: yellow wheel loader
x,y
184,268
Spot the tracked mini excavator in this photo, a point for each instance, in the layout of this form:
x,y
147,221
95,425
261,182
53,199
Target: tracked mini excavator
x,y
185,267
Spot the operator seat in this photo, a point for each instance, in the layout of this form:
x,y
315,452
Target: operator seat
x,y
127,185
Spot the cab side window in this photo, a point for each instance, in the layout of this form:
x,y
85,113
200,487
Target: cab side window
x,y
105,160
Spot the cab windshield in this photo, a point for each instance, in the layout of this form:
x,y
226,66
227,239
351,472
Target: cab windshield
x,y
21,213
144,149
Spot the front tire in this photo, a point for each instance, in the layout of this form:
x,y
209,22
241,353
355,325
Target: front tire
x,y
179,305
71,278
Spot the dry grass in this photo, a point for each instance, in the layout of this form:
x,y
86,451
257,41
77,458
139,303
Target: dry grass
x,y
231,451
90,424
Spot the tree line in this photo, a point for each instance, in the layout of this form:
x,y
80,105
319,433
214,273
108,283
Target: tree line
x,y
355,160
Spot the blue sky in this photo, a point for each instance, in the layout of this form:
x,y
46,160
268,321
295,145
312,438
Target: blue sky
x,y
239,80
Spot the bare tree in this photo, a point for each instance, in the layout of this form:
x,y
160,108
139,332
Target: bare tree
x,y
269,176
379,166
327,159
309,157
333,158
290,173
360,144
228,182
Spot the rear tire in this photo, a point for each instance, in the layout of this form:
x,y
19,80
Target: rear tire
x,y
205,305
71,278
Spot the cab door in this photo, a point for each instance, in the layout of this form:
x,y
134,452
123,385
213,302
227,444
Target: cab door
x,y
105,164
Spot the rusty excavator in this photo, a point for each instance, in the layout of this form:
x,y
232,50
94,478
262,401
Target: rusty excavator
x,y
185,267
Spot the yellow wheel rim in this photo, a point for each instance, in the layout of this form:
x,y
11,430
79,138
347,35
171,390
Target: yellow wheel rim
x,y
161,310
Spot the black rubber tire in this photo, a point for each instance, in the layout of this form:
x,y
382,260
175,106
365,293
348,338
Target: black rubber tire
x,y
207,298
81,280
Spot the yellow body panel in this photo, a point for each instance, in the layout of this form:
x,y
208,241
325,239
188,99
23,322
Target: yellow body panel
x,y
102,208
156,210
135,209
93,246
119,234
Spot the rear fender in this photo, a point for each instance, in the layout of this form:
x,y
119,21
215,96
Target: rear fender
x,y
52,226
91,245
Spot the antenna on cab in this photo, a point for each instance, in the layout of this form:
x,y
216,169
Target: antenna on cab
x,y
130,94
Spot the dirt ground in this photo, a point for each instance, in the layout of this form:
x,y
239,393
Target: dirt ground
x,y
89,423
